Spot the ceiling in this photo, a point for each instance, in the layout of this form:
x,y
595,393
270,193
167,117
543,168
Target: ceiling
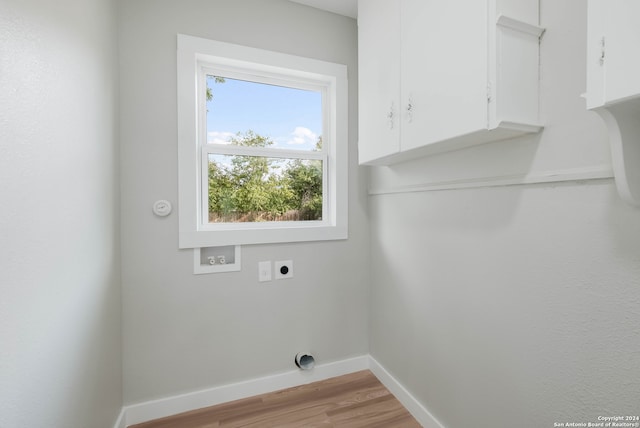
x,y
341,7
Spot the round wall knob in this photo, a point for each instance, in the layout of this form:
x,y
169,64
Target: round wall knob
x,y
162,208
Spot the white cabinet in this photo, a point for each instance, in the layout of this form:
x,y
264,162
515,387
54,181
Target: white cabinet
x,y
378,79
439,76
613,85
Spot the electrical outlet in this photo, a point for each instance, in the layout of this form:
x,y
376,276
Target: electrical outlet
x,y
284,269
264,271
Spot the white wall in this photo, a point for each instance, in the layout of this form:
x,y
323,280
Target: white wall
x,y
60,341
184,332
513,306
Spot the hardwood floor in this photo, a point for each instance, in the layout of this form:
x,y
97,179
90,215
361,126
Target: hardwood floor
x,y
350,401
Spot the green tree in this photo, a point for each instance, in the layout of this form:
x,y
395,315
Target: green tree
x,y
221,189
305,181
216,79
248,188
256,188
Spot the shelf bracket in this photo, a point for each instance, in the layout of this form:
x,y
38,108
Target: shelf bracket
x,y
623,125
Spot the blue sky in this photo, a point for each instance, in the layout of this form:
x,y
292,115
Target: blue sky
x,y
292,118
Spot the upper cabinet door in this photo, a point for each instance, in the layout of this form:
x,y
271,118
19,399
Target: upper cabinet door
x,y
622,49
439,75
444,69
378,79
613,62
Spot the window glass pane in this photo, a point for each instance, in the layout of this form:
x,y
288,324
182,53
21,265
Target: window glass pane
x,y
255,189
288,118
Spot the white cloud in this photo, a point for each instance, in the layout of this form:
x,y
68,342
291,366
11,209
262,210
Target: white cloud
x,y
302,135
218,137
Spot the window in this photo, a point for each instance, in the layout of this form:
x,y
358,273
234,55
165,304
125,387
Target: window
x,y
262,146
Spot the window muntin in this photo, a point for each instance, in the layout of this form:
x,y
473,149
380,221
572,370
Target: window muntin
x,y
199,58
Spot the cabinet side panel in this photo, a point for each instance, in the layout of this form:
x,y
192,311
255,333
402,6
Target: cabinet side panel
x,y
522,10
379,78
622,38
517,77
595,67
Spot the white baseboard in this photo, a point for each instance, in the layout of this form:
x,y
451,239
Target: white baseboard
x,y
417,410
142,412
121,422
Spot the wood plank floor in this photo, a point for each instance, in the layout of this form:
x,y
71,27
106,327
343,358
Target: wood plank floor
x,y
351,401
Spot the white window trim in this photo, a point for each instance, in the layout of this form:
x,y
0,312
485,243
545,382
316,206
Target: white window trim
x,y
193,232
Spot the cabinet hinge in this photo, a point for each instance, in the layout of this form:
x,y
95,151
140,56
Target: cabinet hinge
x,y
602,50
489,92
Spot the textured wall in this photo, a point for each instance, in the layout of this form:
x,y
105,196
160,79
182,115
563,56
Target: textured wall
x,y
513,306
509,304
60,342
184,332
